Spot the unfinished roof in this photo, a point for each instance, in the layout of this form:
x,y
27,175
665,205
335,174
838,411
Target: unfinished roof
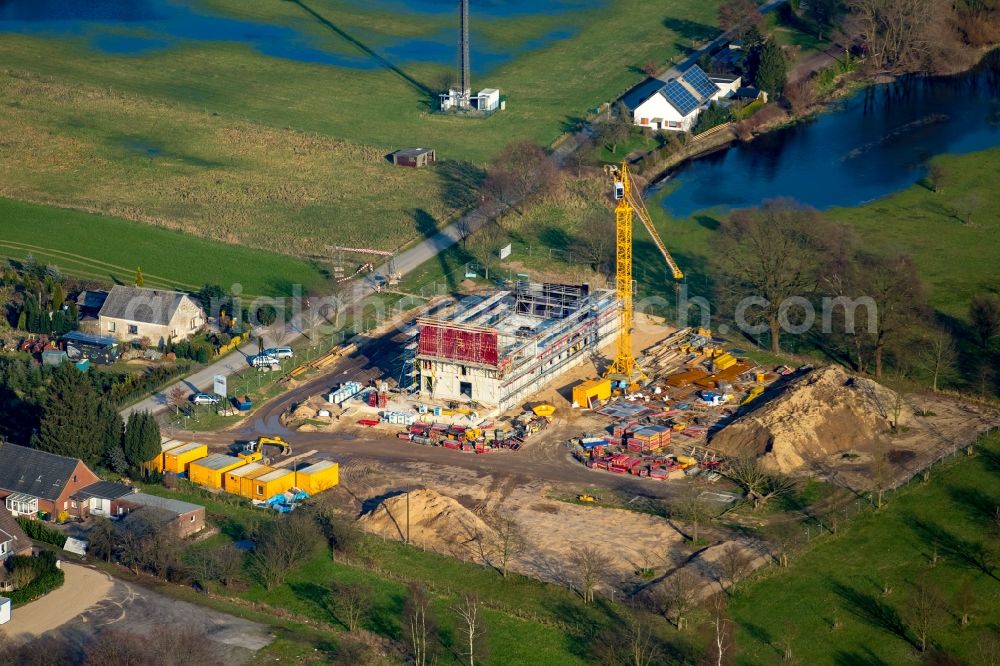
x,y
147,306
33,472
176,507
218,461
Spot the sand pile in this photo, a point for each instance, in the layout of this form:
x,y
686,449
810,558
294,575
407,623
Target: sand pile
x,y
436,522
822,413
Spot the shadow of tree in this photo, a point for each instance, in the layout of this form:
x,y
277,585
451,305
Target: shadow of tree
x,y
873,610
973,554
460,182
863,658
316,596
982,507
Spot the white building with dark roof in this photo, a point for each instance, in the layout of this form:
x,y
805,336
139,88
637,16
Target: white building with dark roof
x,y
133,313
676,105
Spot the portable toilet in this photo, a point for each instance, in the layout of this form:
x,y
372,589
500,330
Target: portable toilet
x,y
318,477
208,472
179,459
4,610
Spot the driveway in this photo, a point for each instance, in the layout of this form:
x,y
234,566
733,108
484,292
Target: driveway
x,y
83,589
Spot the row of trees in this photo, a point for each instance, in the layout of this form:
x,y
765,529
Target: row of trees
x,y
33,298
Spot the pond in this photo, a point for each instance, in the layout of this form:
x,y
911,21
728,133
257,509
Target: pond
x,y
870,145
138,27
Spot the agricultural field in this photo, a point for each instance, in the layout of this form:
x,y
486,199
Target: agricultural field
x,y
854,598
109,249
268,125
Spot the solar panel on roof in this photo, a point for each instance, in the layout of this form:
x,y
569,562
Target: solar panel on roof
x,y
697,79
680,98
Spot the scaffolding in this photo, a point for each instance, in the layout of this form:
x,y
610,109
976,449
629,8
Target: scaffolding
x,y
549,300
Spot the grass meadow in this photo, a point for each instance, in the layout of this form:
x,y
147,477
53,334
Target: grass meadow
x,y
214,139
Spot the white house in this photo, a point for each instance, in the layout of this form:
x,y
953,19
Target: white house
x,y
676,105
133,313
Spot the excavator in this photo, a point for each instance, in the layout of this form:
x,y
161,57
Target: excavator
x,y
253,451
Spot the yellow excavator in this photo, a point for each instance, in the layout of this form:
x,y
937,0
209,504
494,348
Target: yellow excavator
x,y
253,451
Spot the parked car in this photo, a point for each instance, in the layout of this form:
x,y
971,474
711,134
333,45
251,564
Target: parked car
x,y
279,352
204,398
263,361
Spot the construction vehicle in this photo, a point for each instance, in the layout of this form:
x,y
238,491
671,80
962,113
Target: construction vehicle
x,y
624,370
253,451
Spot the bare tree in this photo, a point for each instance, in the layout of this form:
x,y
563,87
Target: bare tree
x,y
350,603
965,601
938,355
694,510
508,540
611,133
925,611
678,597
487,243
936,177
282,544
418,624
596,241
736,564
881,472
176,398
801,96
590,564
472,628
988,647
783,539
722,641
739,16
760,484
640,645
521,172
773,255
899,34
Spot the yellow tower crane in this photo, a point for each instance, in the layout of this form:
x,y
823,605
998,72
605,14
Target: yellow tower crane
x,y
624,367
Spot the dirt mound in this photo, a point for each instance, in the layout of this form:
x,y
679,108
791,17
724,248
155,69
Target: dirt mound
x,y
436,522
819,414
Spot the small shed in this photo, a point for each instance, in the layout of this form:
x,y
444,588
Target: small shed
x,y
4,610
414,157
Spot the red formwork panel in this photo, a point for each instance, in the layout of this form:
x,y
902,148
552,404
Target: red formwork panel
x,y
459,344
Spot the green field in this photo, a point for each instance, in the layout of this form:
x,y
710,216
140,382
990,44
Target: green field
x,y
215,139
108,249
832,603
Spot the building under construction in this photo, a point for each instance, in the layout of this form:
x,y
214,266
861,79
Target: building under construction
x,y
501,347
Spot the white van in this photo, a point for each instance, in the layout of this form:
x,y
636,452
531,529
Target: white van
x,y
279,352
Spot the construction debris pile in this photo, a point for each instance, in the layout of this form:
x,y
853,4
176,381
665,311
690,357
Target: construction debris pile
x,y
661,430
821,413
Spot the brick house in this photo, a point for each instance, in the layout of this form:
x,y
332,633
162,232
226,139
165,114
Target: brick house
x,y
32,481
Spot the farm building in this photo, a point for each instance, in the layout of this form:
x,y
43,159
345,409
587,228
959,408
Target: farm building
x,y
678,103
500,347
317,477
414,157
209,472
177,460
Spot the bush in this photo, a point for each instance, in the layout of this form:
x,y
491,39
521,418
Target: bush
x,y
45,576
748,110
39,531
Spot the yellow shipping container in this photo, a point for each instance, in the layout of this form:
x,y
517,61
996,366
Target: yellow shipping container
x,y
273,483
208,472
156,464
318,477
178,460
248,482
595,389
232,481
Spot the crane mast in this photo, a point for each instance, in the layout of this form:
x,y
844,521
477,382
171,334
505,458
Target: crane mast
x,y
624,367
